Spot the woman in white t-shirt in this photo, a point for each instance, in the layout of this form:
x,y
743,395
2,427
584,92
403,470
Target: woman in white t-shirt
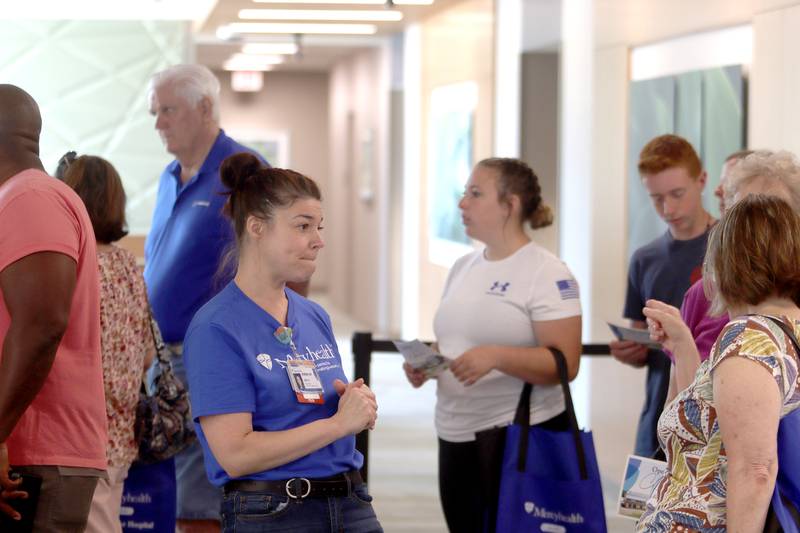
x,y
502,305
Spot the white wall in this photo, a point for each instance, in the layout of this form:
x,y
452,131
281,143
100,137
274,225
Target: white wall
x,y
508,78
539,132
359,186
617,390
90,80
468,27
774,113
295,103
575,185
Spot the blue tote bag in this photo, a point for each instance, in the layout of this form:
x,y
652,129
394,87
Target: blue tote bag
x,y
786,498
785,506
550,481
148,498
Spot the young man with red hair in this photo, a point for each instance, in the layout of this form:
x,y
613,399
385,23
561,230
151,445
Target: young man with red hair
x,y
665,268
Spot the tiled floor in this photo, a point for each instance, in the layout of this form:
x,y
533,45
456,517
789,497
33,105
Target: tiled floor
x,y
402,461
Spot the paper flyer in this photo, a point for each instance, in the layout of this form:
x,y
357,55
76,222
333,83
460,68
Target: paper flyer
x,y
422,357
642,336
642,475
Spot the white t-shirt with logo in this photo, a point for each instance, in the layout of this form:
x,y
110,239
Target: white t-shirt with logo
x,y
495,302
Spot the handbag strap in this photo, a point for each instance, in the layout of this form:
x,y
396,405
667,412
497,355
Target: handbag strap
x,y
787,330
155,333
773,523
523,416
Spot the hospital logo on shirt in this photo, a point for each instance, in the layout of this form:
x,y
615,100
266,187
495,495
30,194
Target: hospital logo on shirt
x,y
568,288
264,360
499,288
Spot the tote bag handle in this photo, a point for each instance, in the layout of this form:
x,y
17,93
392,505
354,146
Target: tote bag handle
x,y
523,416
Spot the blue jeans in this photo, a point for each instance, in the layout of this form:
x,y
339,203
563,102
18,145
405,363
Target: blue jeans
x,y
246,512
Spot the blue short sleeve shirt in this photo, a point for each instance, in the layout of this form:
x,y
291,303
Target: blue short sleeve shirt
x,y
188,237
235,364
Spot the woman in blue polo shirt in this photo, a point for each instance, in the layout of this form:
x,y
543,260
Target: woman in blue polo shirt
x,y
274,414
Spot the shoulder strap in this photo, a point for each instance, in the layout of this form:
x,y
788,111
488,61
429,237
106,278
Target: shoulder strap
x,y
787,330
523,416
155,332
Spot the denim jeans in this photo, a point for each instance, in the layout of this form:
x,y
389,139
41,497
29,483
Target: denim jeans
x,y
256,511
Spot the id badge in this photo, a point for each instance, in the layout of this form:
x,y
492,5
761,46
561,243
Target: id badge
x,y
304,378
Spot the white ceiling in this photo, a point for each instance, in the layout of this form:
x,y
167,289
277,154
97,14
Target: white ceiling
x,y
637,22
618,22
317,52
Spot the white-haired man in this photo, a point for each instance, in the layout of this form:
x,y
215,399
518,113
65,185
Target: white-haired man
x,y
187,239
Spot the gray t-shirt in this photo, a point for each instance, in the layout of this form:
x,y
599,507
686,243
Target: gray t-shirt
x,y
663,270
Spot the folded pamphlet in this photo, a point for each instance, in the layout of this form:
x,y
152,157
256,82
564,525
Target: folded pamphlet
x,y
422,357
642,336
642,476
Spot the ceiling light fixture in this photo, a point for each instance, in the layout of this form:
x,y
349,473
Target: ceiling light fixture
x,y
321,14
248,67
355,2
252,62
319,29
257,58
270,48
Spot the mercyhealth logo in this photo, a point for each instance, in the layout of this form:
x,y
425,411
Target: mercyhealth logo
x,y
555,516
324,353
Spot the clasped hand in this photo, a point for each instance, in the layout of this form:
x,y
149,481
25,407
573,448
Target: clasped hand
x,y
358,407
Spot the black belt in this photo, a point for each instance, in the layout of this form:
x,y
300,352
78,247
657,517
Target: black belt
x,y
301,487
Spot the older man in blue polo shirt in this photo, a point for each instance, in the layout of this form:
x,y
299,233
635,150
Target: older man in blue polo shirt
x,y
187,241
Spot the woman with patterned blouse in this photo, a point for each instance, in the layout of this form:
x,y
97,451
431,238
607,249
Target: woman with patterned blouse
x,y
720,433
754,172
126,338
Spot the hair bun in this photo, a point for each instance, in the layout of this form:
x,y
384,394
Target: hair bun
x,y
541,217
237,169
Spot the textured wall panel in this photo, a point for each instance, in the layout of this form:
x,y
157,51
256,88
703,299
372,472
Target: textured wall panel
x,y
89,78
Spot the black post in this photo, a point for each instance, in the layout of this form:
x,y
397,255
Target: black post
x,y
362,357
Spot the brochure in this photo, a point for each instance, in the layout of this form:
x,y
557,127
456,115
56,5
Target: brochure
x,y
642,475
422,357
642,336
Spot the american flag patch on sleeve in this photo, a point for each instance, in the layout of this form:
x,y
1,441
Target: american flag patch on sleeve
x,y
568,288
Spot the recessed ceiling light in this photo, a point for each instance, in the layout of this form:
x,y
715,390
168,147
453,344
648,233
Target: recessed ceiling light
x,y
279,27
247,67
224,33
361,2
321,14
270,48
256,58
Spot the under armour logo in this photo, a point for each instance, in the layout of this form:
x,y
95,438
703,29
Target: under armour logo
x,y
499,287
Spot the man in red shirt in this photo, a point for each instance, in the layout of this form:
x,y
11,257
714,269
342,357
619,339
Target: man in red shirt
x,y
52,408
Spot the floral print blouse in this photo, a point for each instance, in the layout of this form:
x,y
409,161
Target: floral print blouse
x,y
692,497
125,340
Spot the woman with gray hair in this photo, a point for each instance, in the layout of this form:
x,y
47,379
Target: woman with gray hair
x,y
765,172
759,172
720,433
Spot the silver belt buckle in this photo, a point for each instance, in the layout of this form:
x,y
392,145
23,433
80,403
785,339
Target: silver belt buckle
x,y
294,496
